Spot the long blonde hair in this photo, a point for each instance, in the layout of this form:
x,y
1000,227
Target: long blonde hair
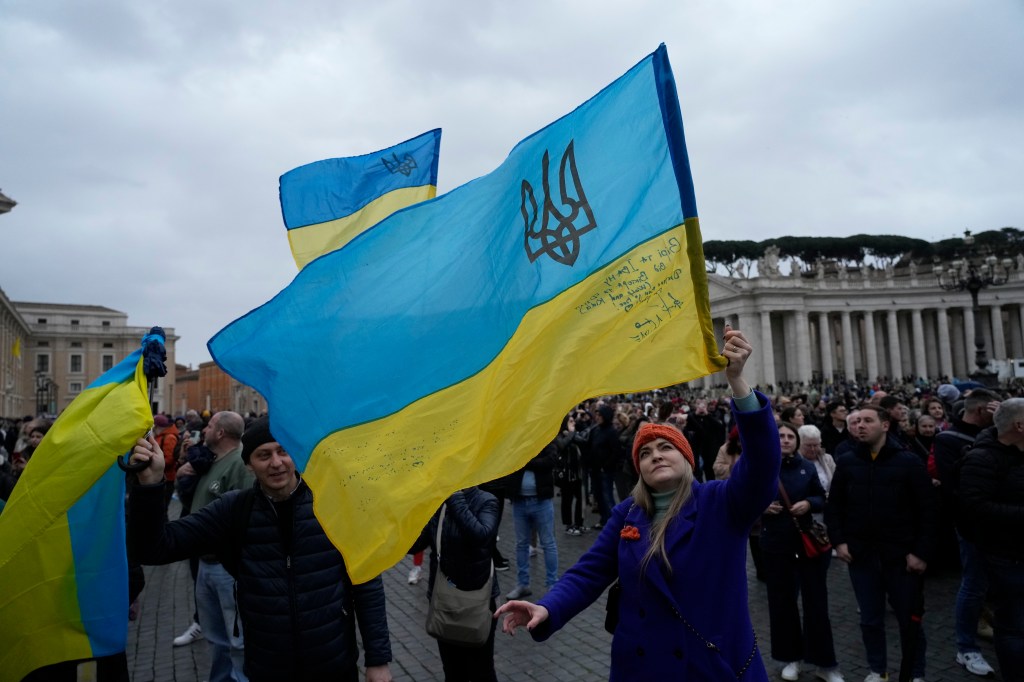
x,y
645,500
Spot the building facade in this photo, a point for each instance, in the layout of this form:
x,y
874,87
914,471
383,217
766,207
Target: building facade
x,y
208,387
17,394
864,326
69,346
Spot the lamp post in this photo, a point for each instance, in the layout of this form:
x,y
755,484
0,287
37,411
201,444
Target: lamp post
x,y
973,273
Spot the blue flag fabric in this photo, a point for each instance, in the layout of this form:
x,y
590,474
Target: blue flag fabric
x,y
442,348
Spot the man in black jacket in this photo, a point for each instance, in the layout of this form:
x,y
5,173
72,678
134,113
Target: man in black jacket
x,y
297,605
992,492
880,516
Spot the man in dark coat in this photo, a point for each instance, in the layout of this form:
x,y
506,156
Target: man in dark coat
x,y
992,493
297,606
880,516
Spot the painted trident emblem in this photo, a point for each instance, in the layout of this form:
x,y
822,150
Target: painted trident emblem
x,y
405,165
561,240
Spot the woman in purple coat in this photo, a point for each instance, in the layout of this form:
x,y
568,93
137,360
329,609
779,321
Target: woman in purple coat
x,y
675,533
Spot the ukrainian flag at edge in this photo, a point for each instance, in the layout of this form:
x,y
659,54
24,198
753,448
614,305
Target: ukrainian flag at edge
x,y
442,348
327,203
63,570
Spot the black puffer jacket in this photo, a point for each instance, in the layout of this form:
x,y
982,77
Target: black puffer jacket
x,y
884,507
992,496
542,467
297,605
467,539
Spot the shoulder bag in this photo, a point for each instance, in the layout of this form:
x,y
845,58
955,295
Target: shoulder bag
x,y
813,535
458,616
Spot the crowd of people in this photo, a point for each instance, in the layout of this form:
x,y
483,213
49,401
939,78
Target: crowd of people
x,y
681,486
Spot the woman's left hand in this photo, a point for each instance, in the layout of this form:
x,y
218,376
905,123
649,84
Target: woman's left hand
x,y
800,508
521,613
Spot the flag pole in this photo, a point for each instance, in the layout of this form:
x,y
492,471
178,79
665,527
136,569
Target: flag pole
x,y
154,359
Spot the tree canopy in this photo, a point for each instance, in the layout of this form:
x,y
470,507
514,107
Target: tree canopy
x,y
736,258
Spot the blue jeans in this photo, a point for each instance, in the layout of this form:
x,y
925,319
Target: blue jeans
x,y
872,580
215,597
970,598
1007,579
529,514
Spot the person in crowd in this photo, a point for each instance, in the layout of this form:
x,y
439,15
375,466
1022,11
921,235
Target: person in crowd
x,y
833,431
602,453
935,408
167,436
880,517
790,575
569,476
920,443
533,511
215,586
949,448
675,533
709,437
727,455
467,536
296,605
793,415
992,491
809,437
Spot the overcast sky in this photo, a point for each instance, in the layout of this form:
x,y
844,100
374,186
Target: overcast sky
x,y
143,141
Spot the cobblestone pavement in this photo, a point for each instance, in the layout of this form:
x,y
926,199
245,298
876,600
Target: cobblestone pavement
x,y
580,651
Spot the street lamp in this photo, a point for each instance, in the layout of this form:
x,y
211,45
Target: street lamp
x,y
974,274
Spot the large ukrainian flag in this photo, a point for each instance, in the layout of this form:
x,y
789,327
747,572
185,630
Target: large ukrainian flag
x,y
63,569
442,348
327,203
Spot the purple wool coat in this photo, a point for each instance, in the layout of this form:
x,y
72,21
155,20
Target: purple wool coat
x,y
707,588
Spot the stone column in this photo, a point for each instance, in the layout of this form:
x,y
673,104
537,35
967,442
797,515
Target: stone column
x,y
870,347
918,346
895,359
849,367
767,348
998,336
945,351
969,348
825,344
751,327
803,345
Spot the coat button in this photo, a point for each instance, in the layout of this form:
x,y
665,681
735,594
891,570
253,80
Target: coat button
x,y
678,653
639,651
643,614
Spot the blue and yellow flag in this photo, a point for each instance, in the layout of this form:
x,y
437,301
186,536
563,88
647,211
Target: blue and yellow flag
x,y
442,348
327,203
63,569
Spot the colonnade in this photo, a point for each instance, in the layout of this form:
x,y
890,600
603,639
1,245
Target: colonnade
x,y
802,343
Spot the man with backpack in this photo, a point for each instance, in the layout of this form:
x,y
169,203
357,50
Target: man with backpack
x,y
296,604
949,449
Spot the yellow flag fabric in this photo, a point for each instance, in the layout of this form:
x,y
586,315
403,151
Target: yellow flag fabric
x,y
442,348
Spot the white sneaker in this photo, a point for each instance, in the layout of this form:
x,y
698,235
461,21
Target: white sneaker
x,y
193,634
414,575
829,674
533,551
877,677
791,671
975,663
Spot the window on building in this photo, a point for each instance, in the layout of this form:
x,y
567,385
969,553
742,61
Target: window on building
x,y
75,365
43,344
108,345
74,323
41,320
105,323
76,344
43,362
75,387
108,362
